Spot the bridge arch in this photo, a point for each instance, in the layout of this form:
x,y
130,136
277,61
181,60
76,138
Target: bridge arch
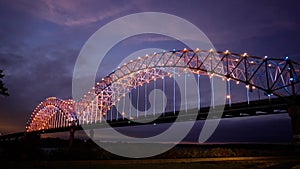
x,y
52,113
274,76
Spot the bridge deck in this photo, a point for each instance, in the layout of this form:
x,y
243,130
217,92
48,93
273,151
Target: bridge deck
x,y
243,109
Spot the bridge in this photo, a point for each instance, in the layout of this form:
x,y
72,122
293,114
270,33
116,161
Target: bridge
x,y
107,102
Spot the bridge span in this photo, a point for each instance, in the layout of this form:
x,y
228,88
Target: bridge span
x,y
276,78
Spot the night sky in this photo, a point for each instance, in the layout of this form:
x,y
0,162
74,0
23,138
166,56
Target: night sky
x,y
41,40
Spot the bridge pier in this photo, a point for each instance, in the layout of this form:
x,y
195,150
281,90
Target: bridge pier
x,y
72,135
294,112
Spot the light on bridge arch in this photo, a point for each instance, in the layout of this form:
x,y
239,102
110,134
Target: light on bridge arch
x,y
235,73
286,58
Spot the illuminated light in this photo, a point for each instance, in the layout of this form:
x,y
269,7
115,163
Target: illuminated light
x,y
185,50
253,87
286,58
164,51
228,79
139,58
251,61
211,50
266,57
147,55
291,79
269,65
247,86
174,50
131,60
227,51
237,82
197,50
154,53
228,96
236,60
124,64
245,54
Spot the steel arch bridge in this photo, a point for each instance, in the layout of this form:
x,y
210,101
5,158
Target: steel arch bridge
x,y
52,113
274,76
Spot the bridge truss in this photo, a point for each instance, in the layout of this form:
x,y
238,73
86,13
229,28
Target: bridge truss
x,y
273,76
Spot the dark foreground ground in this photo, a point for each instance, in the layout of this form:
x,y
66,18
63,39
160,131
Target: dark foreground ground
x,y
56,153
206,163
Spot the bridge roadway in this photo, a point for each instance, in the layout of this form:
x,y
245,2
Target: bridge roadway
x,y
254,108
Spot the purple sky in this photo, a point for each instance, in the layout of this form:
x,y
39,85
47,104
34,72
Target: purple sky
x,y
40,40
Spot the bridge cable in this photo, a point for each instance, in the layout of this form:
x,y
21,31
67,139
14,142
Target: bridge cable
x,y
212,91
146,99
198,80
185,91
137,101
154,85
124,100
174,91
163,100
228,92
117,107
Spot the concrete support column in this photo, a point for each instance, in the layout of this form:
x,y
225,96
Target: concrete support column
x,y
72,135
294,112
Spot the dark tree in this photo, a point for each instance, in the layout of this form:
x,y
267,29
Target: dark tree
x,y
3,89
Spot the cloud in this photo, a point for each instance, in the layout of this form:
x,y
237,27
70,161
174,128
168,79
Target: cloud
x,y
74,13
